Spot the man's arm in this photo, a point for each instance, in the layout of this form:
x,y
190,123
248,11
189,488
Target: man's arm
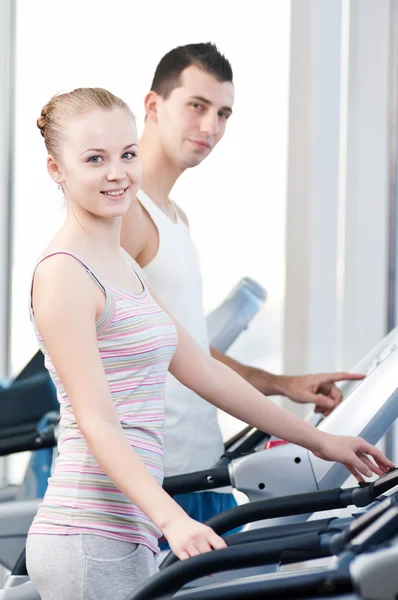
x,y
318,389
262,380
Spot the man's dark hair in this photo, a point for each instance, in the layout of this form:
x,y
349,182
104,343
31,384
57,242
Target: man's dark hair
x,y
205,56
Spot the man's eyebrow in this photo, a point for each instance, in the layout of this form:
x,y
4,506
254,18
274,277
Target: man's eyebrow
x,y
209,103
102,149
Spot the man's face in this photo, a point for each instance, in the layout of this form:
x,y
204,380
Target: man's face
x,y
192,120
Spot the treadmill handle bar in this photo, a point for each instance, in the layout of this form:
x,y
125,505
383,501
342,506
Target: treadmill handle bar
x,y
298,504
198,481
235,557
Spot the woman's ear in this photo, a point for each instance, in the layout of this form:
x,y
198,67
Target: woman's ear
x,y
54,170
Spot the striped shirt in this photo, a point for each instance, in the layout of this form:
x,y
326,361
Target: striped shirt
x,y
136,341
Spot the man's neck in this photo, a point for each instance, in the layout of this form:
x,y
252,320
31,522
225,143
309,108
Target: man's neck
x,y
159,173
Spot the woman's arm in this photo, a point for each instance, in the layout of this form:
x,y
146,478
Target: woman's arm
x,y
66,302
221,386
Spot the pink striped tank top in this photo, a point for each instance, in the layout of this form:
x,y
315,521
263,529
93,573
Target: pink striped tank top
x,y
136,341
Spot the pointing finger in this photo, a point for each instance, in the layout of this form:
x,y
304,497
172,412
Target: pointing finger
x,y
342,376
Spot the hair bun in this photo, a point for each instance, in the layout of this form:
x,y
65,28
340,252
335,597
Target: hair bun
x,y
42,121
54,115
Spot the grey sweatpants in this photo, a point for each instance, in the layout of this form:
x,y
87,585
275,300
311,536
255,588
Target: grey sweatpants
x,y
86,566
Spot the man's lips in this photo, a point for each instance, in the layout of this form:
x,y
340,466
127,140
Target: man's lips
x,y
201,144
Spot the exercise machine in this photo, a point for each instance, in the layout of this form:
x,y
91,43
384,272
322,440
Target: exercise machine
x,y
173,576
346,538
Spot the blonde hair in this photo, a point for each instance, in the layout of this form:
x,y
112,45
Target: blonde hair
x,y
62,106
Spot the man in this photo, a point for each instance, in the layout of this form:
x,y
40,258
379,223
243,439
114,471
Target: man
x,y
187,110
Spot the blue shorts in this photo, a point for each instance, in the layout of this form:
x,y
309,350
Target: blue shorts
x,y
201,506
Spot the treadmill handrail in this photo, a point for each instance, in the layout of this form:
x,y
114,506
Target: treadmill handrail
x,y
237,437
209,479
270,508
298,504
235,557
248,445
28,443
26,438
291,586
265,534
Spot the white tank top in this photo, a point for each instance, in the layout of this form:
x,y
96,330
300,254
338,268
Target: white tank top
x,y
193,438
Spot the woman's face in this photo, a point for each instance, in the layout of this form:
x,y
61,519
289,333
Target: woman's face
x,y
99,165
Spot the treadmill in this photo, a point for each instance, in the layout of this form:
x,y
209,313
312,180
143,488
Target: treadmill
x,y
369,409
257,547
269,473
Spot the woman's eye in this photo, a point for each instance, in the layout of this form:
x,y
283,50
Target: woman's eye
x,y
128,155
95,159
197,106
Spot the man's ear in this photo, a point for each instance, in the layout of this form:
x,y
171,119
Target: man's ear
x,y
151,103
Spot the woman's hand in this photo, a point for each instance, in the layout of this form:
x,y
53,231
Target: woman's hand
x,y
355,454
188,537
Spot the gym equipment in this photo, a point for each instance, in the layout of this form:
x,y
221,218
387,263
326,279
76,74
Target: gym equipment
x,y
228,320
23,428
23,402
369,409
268,473
374,401
258,547
22,407
366,566
16,515
361,495
34,367
167,581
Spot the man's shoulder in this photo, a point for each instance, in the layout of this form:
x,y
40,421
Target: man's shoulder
x,y
181,214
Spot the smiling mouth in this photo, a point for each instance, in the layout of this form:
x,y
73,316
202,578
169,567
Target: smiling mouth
x,y
115,193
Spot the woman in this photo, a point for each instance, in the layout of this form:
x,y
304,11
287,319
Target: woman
x,y
108,345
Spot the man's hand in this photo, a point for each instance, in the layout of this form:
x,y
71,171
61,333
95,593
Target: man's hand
x,y
318,389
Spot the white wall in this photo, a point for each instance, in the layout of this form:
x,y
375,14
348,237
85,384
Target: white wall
x,y
235,200
336,302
